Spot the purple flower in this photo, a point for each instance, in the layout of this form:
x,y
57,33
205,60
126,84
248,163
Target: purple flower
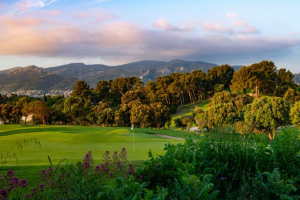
x,y
111,174
3,193
85,165
97,169
27,196
41,186
107,152
61,176
14,181
250,196
223,178
23,183
105,170
10,173
50,170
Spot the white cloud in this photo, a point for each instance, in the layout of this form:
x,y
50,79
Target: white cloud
x,y
164,24
216,28
232,15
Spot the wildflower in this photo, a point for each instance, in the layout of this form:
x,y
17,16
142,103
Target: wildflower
x,y
61,176
67,175
23,183
97,169
3,194
34,191
10,173
105,170
111,174
250,196
50,170
119,164
123,155
131,169
86,165
27,196
14,181
44,174
115,156
41,186
223,178
88,158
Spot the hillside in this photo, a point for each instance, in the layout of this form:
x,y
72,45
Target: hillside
x,y
64,77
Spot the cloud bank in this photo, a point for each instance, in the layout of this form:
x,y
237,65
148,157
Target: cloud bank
x,y
122,40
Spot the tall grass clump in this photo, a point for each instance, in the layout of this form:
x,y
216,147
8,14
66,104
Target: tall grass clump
x,y
237,168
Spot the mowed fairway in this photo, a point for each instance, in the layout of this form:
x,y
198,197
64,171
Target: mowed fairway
x,y
73,142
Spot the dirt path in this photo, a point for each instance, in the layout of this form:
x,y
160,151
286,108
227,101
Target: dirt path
x,y
195,128
170,137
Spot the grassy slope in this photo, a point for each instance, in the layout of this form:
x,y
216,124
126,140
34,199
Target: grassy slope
x,y
73,142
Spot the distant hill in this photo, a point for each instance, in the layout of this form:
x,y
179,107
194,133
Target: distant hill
x,y
297,78
64,77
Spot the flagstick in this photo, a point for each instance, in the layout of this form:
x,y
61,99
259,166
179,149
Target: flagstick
x,y
132,127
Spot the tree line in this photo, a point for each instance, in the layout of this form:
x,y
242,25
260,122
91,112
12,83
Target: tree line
x,y
127,100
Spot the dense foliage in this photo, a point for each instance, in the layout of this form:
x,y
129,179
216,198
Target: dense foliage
x,y
128,100
215,166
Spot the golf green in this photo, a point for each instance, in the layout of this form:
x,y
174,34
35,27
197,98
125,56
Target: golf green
x,y
31,145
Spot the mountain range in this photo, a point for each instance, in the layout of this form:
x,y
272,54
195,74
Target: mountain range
x,y
64,77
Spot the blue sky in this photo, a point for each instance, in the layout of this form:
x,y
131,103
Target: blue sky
x,y
54,32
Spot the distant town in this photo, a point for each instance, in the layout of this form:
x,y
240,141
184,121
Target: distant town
x,y
38,93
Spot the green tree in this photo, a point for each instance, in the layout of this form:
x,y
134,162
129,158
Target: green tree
x,y
291,95
240,80
295,114
263,77
150,90
142,115
106,117
162,83
221,115
201,120
267,114
138,95
200,83
161,114
40,110
81,89
220,75
218,88
76,109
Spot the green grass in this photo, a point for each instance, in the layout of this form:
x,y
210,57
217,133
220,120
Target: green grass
x,y
73,142
187,110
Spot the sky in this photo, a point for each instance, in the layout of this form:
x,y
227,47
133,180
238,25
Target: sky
x,y
49,33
